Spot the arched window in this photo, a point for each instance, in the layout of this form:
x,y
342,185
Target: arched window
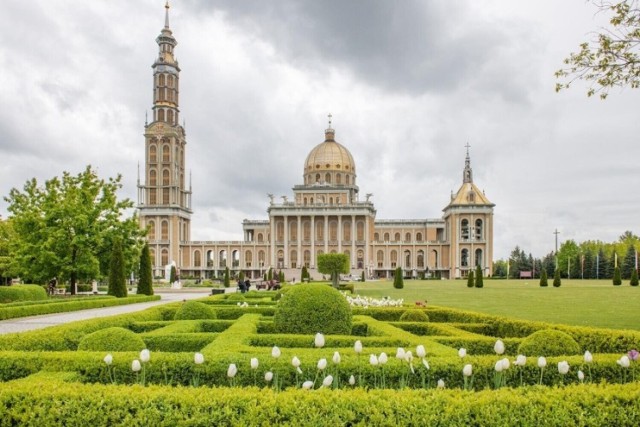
x,y
293,231
386,237
434,257
261,258
210,258
279,231
161,115
294,258
380,259
407,259
327,178
165,257
153,153
338,179
197,259
152,197
479,229
165,177
396,237
170,116
153,180
165,153
319,230
248,259
165,196
164,230
420,259
151,226
306,231
376,237
360,259
170,81
394,259
280,258
419,237
307,258
478,260
260,237
407,237
346,231
360,231
235,258
317,177
464,229
347,179
333,231
464,258
161,80
222,259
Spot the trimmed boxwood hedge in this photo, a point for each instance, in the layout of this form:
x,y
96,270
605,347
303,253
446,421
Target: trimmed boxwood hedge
x,y
111,339
549,342
22,293
192,310
414,315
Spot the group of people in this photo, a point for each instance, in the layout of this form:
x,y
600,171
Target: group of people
x,y
244,286
270,285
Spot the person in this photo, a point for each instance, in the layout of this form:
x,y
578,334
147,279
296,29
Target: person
x,y
247,284
241,286
52,286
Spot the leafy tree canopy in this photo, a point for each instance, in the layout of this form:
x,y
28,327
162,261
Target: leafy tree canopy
x,y
67,227
333,264
611,59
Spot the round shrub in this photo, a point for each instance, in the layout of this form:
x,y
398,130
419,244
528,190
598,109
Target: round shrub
x,y
111,339
414,315
22,293
235,297
308,309
549,342
192,310
283,290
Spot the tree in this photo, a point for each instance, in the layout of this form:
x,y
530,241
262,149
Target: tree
x,y
145,279
334,265
304,274
6,237
612,58
270,274
629,261
634,278
617,279
500,268
241,276
470,281
556,279
227,280
362,278
398,280
67,228
117,278
281,276
543,279
479,280
173,274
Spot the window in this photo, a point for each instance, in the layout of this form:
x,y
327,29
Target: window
x,y
165,257
293,231
376,237
420,259
260,237
360,231
196,259
153,152
464,258
165,177
380,259
327,178
279,231
333,231
386,237
419,237
151,226
478,260
307,258
407,259
319,231
153,178
396,237
479,229
464,226
222,259
248,258
165,153
338,179
407,237
164,231
394,259
306,231
346,231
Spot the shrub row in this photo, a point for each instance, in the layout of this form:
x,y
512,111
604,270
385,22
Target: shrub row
x,y
70,305
22,293
46,399
56,300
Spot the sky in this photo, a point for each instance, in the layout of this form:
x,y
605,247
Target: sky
x,y
408,84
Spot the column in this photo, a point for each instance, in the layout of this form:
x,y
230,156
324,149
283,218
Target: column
x,y
353,241
272,243
286,242
312,261
300,254
366,239
325,234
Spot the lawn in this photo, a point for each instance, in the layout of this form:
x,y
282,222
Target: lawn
x,y
577,302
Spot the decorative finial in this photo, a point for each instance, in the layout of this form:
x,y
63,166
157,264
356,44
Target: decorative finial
x,y
467,148
166,14
330,117
146,118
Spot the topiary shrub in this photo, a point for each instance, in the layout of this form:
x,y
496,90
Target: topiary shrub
x,y
112,339
549,342
22,293
543,279
470,281
235,297
479,279
414,315
308,309
280,293
556,279
192,310
617,278
398,280
634,278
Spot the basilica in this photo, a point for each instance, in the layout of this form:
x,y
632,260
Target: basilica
x,y
326,213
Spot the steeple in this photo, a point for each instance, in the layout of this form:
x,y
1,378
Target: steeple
x,y
165,77
166,15
329,132
467,175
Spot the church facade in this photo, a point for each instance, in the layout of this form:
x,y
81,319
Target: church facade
x,y
326,213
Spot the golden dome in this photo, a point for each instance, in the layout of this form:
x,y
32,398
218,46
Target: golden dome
x,y
330,156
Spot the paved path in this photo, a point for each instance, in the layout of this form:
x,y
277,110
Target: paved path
x,y
22,324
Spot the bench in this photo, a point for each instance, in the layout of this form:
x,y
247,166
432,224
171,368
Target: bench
x,y
526,275
60,291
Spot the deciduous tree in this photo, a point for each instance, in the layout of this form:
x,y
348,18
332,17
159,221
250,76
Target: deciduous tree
x,y
333,264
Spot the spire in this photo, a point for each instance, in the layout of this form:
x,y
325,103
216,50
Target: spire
x,y
166,15
329,133
467,175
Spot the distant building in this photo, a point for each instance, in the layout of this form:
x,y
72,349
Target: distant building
x,y
325,214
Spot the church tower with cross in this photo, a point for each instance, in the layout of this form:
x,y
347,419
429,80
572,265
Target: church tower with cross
x,y
164,201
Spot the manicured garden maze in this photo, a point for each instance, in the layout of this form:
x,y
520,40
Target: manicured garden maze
x,y
242,382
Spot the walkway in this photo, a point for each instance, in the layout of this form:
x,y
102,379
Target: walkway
x,y
23,324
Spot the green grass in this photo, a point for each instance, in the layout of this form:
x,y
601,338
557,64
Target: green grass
x,y
577,302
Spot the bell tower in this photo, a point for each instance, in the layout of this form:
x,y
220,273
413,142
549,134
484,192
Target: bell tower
x,y
164,201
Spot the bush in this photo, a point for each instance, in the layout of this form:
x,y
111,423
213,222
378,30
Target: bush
x,y
617,279
479,279
346,287
556,279
398,281
283,290
634,278
308,309
192,310
22,293
549,342
145,282
414,315
111,339
470,281
236,297
543,279
117,278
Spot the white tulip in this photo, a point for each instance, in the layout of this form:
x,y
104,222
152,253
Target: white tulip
x,y
357,347
498,367
462,352
440,383
383,358
505,364
198,358
319,341
499,347
254,363
588,357
232,370
328,380
420,351
108,359
268,376
295,362
322,363
336,358
563,367
135,365
467,371
307,385
521,360
581,376
275,352
542,362
408,357
400,353
373,360
352,380
145,355
624,361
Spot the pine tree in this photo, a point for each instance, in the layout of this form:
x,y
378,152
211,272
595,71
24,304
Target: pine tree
x,y
304,273
145,279
173,275
398,281
629,262
543,279
362,278
270,274
117,280
617,279
479,279
634,278
556,279
470,281
281,276
227,280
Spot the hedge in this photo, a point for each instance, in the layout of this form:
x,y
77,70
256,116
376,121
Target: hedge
x,y
22,293
53,399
